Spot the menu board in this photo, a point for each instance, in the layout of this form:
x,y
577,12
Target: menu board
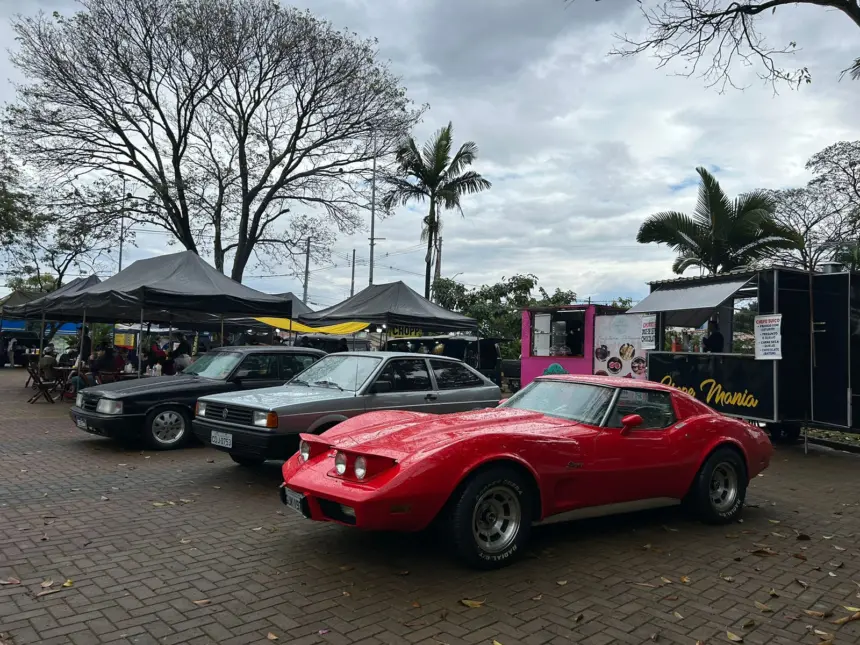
x,y
649,331
768,337
618,346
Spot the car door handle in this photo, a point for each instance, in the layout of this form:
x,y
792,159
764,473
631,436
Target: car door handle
x,y
430,397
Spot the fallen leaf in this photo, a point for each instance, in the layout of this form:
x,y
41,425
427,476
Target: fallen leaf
x,y
655,637
346,567
578,618
854,609
47,583
762,607
835,564
727,578
219,488
105,499
671,598
803,537
271,636
538,597
665,580
645,584
495,642
772,593
259,528
647,547
472,604
186,501
158,503
799,556
749,623
848,619
68,583
779,535
403,573
184,541
669,528
323,632
823,635
732,536
561,583
734,637
677,615
416,604
774,521
48,592
828,537
817,614
831,574
763,551
201,603
346,593
803,584
685,580
838,548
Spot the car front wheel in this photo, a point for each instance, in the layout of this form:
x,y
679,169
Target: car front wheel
x,y
720,487
167,428
490,518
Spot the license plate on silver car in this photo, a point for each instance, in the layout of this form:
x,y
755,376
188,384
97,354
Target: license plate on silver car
x,y
221,439
294,500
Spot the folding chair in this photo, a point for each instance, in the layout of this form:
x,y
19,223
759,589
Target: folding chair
x,y
43,388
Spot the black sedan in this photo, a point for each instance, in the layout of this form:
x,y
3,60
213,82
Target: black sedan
x,y
160,408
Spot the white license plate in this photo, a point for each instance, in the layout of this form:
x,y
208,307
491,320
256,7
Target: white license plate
x,y
222,439
294,500
81,423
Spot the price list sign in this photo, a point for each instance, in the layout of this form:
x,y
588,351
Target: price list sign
x,y
768,337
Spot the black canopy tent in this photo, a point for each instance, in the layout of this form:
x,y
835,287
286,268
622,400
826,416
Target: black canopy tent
x,y
300,308
393,305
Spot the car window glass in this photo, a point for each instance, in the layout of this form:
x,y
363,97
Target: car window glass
x,y
292,364
259,366
654,407
406,375
580,402
454,376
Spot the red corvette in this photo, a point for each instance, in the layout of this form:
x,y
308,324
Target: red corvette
x,y
585,445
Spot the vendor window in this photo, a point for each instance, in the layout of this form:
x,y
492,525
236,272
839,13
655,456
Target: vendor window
x,y
561,333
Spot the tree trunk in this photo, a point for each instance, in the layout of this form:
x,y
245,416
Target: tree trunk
x,y
431,240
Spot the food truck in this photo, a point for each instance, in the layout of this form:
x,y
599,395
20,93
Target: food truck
x,y
801,370
582,339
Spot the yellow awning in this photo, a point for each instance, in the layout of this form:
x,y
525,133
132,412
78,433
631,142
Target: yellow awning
x,y
285,324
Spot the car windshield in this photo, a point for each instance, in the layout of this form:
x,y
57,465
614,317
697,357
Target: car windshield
x,y
342,372
574,401
214,365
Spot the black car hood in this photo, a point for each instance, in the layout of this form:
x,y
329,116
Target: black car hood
x,y
154,385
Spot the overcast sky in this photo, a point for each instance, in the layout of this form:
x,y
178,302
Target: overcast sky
x,y
580,146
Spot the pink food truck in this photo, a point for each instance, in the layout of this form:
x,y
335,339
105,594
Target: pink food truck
x,y
584,339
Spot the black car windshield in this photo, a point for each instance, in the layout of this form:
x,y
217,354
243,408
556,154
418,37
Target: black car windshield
x,y
574,401
343,372
214,365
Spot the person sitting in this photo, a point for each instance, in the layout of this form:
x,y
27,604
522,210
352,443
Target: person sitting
x,y
47,363
182,356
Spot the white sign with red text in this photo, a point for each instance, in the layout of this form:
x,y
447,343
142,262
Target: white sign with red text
x,y
768,337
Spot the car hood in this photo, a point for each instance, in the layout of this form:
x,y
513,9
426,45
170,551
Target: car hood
x,y
399,434
273,398
153,385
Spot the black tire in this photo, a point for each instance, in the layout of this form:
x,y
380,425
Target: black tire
x,y
247,462
489,489
711,496
167,428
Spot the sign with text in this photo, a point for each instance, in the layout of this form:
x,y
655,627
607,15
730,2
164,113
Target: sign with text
x,y
649,331
768,337
736,385
617,346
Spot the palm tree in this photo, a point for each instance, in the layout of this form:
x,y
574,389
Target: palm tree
x,y
433,175
721,234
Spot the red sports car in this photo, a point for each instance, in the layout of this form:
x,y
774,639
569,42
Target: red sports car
x,y
563,446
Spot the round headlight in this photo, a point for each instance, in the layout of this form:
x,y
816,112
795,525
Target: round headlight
x,y
360,467
340,463
305,450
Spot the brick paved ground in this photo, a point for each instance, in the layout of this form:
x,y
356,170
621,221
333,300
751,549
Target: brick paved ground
x,y
84,509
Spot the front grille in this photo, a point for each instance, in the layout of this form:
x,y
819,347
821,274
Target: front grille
x,y
90,403
240,416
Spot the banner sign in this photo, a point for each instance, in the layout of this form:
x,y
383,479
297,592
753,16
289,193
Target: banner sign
x,y
768,337
736,385
404,332
618,346
649,331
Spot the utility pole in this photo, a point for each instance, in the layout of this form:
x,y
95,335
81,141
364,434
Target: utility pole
x,y
307,270
352,284
438,272
373,209
125,196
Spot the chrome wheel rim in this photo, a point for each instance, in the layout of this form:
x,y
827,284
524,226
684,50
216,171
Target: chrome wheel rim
x,y
496,519
724,487
168,427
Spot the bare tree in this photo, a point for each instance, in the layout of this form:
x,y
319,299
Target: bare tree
x,y
712,37
230,115
837,171
819,219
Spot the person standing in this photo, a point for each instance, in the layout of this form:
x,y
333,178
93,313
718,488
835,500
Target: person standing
x,y
11,351
86,347
714,342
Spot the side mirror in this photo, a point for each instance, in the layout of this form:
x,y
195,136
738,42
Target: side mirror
x,y
629,422
502,401
381,387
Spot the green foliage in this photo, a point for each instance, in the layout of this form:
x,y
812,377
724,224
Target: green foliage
x,y
721,234
15,207
497,307
432,174
37,282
